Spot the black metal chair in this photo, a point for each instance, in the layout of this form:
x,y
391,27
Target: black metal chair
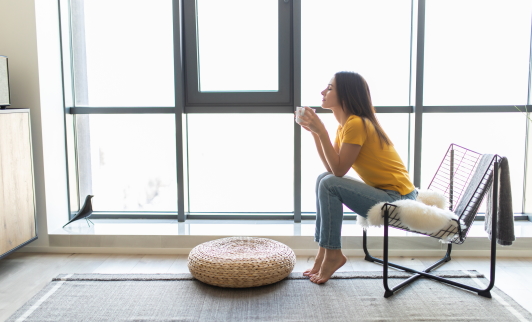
x,y
463,177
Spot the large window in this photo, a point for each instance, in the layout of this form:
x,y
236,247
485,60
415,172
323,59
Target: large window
x,y
369,37
122,53
121,58
477,52
132,162
241,163
227,51
183,108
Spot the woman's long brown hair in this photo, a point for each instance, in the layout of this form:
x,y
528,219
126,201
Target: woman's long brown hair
x,y
353,94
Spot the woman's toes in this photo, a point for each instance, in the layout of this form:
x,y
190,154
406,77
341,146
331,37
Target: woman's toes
x,y
327,269
310,272
314,278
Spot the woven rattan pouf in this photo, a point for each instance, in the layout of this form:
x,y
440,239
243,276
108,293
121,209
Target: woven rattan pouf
x,y
241,262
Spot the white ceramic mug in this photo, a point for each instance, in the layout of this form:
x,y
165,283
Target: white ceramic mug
x,y
300,111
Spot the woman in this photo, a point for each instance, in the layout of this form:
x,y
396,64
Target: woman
x,y
362,144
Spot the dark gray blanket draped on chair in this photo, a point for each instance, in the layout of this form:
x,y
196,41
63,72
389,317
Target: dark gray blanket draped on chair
x,y
469,203
505,216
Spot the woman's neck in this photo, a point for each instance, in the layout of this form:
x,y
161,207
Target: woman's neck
x,y
341,116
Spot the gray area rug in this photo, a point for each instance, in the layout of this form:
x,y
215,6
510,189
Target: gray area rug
x,y
348,296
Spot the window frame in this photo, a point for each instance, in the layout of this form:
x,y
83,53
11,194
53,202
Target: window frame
x,y
281,101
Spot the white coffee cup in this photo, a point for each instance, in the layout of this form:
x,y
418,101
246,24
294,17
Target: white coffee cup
x,y
300,111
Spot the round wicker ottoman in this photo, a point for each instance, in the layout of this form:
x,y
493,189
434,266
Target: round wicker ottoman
x,y
241,262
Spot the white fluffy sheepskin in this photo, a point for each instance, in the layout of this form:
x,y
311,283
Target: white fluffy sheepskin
x,y
432,198
427,214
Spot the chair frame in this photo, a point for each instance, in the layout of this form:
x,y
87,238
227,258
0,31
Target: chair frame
x,y
388,209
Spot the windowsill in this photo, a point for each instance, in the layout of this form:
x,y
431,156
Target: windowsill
x,y
163,236
164,227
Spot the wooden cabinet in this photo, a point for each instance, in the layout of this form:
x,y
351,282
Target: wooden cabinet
x,y
17,201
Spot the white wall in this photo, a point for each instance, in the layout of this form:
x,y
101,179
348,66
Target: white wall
x,y
35,78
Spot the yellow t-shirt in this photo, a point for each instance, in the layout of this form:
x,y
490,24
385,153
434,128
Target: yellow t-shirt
x,y
378,167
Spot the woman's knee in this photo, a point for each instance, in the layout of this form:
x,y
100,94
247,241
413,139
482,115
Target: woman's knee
x,y
327,182
320,177
323,175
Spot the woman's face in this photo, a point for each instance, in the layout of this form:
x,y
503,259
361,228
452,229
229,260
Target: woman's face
x,y
330,97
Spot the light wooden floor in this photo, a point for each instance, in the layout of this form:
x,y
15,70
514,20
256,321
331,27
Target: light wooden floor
x,y
22,275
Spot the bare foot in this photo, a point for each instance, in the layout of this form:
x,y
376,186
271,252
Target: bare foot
x,y
333,260
317,263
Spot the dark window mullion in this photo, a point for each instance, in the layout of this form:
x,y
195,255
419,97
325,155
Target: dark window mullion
x,y
179,94
296,21
418,104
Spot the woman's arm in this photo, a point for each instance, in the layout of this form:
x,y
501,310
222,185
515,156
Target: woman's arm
x,y
339,159
336,159
320,151
318,144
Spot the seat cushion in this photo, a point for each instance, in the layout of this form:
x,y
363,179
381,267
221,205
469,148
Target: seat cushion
x,y
414,216
239,262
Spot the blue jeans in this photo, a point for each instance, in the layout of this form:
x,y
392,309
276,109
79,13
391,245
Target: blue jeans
x,y
333,192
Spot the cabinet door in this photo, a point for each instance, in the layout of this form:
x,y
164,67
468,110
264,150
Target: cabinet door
x,y
17,208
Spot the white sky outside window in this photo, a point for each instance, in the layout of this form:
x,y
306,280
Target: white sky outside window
x,y
241,162
129,49
368,37
133,162
477,52
238,45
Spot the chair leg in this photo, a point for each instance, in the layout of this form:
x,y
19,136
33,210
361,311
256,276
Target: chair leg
x,y
486,292
387,291
368,257
425,273
495,203
438,263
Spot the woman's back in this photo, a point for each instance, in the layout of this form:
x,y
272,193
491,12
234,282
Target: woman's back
x,y
378,163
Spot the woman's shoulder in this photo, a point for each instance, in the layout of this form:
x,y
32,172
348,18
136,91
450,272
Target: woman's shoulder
x,y
355,120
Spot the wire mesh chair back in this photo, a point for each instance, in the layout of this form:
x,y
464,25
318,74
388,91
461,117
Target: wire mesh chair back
x,y
454,173
463,177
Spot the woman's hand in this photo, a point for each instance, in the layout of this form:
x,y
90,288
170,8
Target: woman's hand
x,y
311,122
